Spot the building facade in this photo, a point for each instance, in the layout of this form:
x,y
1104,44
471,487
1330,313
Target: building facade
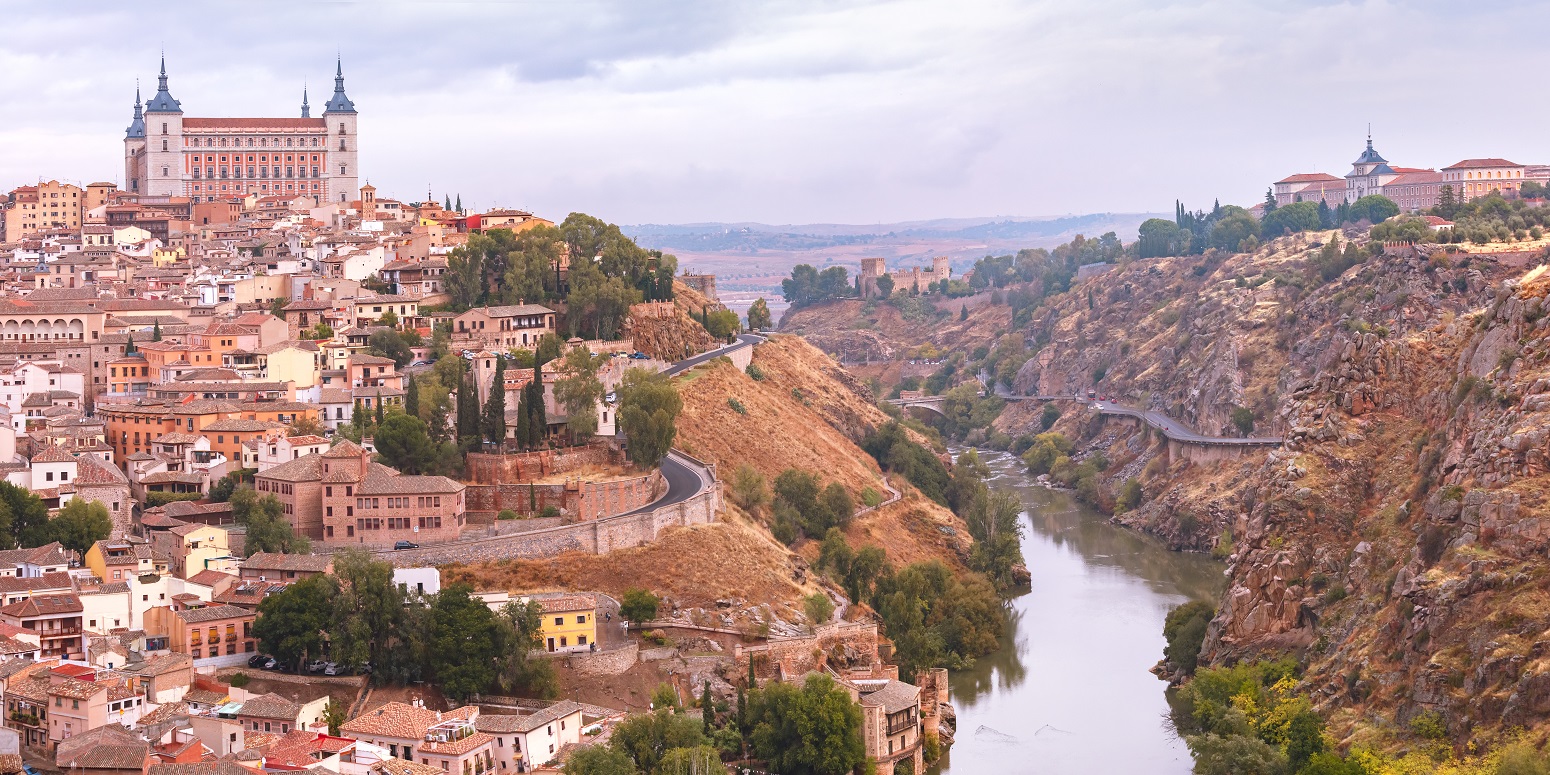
x,y
1475,178
168,154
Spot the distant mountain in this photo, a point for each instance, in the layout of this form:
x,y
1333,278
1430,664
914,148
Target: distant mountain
x,y
719,237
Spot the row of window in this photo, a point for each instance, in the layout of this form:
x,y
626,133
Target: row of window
x,y
377,523
261,142
262,173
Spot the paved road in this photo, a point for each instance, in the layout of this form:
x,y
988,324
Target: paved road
x,y
743,340
1170,427
683,482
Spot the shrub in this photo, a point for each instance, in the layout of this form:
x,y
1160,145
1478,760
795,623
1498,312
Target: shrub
x,y
549,511
1129,496
748,488
506,514
871,498
1429,725
1243,420
737,406
754,372
238,680
1048,417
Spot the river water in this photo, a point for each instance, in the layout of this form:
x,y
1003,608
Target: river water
x,y
1069,691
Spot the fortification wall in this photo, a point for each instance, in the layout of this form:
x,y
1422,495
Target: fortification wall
x,y
856,641
486,468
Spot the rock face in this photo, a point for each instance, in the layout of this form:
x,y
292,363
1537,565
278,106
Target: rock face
x,y
669,337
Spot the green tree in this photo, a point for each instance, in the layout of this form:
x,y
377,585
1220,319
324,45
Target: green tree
x,y
1293,218
23,517
405,444
1184,630
836,508
464,278
579,391
291,622
1233,229
1235,754
468,430
600,760
722,324
699,760
465,643
648,413
495,407
156,332
707,712
412,398
638,605
798,490
749,490
1243,420
521,635
865,568
389,344
524,430
1157,237
812,730
1374,208
759,315
818,607
1048,417
80,524
380,409
647,737
937,618
334,715
267,528
368,608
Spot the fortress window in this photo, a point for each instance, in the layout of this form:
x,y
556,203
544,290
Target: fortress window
x,y
164,127
341,127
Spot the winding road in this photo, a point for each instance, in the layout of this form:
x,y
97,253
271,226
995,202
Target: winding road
x,y
743,340
1171,428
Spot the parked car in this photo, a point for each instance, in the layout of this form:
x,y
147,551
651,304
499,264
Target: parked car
x,y
406,545
331,669
271,663
638,356
257,659
316,666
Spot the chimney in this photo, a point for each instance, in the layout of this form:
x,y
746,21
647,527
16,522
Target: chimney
x,y
365,462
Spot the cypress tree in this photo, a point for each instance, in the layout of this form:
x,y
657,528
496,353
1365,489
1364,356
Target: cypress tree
x,y
459,205
742,711
156,332
129,345
449,202
412,398
467,413
524,422
379,408
537,418
495,408
707,710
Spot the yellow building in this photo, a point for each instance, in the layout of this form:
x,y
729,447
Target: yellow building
x,y
295,362
162,258
569,621
193,547
51,205
120,560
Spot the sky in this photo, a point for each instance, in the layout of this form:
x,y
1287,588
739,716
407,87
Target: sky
x,y
798,112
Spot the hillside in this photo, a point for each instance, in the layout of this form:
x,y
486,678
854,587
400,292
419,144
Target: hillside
x,y
1396,544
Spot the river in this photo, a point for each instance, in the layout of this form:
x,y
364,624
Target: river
x,y
1069,691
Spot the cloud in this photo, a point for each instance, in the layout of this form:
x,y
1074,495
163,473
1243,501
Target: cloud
x,y
803,111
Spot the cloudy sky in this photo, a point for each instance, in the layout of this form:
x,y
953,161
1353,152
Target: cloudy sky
x,y
791,112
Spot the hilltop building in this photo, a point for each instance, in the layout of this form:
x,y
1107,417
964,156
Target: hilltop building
x,y
167,154
1413,189
915,278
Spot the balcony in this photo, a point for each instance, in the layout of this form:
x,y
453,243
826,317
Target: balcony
x,y
59,632
25,719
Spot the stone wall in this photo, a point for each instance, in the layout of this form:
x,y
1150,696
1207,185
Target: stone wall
x,y
528,466
578,500
843,642
610,662
594,537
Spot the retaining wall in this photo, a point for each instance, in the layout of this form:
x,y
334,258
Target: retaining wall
x,y
796,656
578,500
598,536
485,468
610,662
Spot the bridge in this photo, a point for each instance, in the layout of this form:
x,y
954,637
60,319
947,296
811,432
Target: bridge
x,y
1173,430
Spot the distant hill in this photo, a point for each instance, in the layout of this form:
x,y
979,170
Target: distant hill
x,y
1031,232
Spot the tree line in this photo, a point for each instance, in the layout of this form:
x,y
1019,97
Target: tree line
x,y
607,272
357,616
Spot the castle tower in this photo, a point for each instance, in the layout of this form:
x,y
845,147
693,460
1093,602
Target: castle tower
x,y
163,168
134,149
306,110
368,202
339,116
942,268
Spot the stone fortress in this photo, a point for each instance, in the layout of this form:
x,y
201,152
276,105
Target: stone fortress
x,y
914,278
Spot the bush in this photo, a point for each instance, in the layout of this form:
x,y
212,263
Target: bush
x,y
748,488
549,511
737,406
1185,631
639,605
754,372
238,680
1129,496
1048,417
506,514
1429,725
1243,420
871,498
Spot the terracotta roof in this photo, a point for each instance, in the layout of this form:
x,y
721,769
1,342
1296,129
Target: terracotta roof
x,y
108,747
457,747
345,448
55,581
309,124
396,719
95,472
505,723
266,561
401,767
1479,163
210,578
562,603
75,688
44,605
1307,177
270,706
307,468
212,613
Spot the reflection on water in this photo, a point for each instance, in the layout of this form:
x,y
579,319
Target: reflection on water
x,y
1069,691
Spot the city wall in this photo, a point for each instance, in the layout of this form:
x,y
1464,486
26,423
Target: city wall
x,y
484,468
576,500
797,656
598,536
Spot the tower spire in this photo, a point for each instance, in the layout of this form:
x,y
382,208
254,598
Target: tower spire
x,y
339,103
163,101
306,110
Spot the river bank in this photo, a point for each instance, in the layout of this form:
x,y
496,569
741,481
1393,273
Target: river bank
x,y
1070,691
